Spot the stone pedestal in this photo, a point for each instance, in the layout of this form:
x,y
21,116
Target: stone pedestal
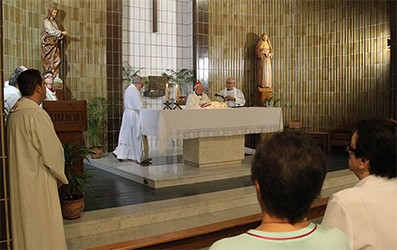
x,y
213,151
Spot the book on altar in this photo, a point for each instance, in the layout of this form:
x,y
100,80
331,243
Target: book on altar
x,y
215,105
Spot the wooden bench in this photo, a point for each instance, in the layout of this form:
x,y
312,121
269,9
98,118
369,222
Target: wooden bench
x,y
204,236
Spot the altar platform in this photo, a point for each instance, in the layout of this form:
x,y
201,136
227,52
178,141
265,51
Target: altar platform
x,y
169,170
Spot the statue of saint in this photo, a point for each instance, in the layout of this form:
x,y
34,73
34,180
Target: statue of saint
x,y
50,43
264,52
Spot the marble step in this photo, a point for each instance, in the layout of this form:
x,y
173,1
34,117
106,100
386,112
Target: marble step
x,y
115,220
107,226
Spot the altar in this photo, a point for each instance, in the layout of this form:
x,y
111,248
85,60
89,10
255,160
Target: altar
x,y
210,136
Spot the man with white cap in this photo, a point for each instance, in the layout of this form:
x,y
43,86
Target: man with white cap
x,y
198,99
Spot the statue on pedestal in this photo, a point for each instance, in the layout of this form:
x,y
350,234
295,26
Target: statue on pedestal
x,y
264,52
51,38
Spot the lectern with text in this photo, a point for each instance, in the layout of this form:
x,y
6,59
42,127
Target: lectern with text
x,y
69,118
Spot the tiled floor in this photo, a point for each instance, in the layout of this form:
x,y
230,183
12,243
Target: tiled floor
x,y
110,190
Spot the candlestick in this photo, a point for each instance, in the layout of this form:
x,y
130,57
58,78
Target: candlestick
x,y
167,93
177,93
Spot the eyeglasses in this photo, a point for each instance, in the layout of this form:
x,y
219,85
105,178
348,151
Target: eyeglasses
x,y
349,149
229,82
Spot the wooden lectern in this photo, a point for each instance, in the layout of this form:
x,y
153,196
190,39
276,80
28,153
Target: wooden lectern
x,y
70,120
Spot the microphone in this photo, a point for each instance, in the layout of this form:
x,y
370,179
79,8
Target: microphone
x,y
217,95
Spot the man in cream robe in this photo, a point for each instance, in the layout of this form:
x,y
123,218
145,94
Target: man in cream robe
x,y
232,96
132,145
36,164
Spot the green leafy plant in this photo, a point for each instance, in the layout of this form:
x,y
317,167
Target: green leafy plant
x,y
78,181
128,72
183,78
272,102
97,109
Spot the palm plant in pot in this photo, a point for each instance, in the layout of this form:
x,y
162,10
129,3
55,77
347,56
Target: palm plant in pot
x,y
73,194
183,78
97,110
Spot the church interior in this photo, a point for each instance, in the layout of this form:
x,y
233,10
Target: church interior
x,y
333,64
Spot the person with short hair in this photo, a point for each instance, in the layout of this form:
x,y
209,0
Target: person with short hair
x,y
198,99
367,211
132,144
231,95
11,94
36,160
51,94
288,172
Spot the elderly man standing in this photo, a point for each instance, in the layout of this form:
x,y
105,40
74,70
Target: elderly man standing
x,y
132,144
232,96
367,211
198,99
36,163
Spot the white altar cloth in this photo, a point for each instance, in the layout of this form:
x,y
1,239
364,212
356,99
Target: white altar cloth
x,y
197,123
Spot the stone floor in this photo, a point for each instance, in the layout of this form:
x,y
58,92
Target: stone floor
x,y
126,183
123,206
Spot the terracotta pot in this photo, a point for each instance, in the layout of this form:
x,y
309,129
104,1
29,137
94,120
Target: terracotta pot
x,y
72,209
97,152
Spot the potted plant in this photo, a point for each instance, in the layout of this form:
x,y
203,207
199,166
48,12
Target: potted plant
x,y
97,110
73,194
272,102
184,78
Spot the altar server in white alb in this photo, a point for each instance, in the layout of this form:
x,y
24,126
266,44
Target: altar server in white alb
x,y
198,99
132,144
231,95
36,161
51,94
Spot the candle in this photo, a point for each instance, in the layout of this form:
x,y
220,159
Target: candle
x,y
177,92
167,93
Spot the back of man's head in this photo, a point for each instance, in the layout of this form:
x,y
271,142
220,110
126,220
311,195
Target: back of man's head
x,y
13,79
290,169
28,80
376,142
137,79
20,69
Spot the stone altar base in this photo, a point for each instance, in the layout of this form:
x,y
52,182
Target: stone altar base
x,y
214,151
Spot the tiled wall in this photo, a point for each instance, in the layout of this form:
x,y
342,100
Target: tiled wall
x,y
331,59
85,47
393,48
5,229
113,65
168,48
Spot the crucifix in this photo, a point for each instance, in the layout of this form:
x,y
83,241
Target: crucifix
x,y
154,16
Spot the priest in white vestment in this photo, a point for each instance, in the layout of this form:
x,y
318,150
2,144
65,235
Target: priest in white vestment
x,y
132,145
231,95
36,166
198,99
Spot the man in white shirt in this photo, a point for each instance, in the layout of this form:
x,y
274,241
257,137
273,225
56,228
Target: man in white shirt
x,y
232,96
11,94
367,211
198,99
